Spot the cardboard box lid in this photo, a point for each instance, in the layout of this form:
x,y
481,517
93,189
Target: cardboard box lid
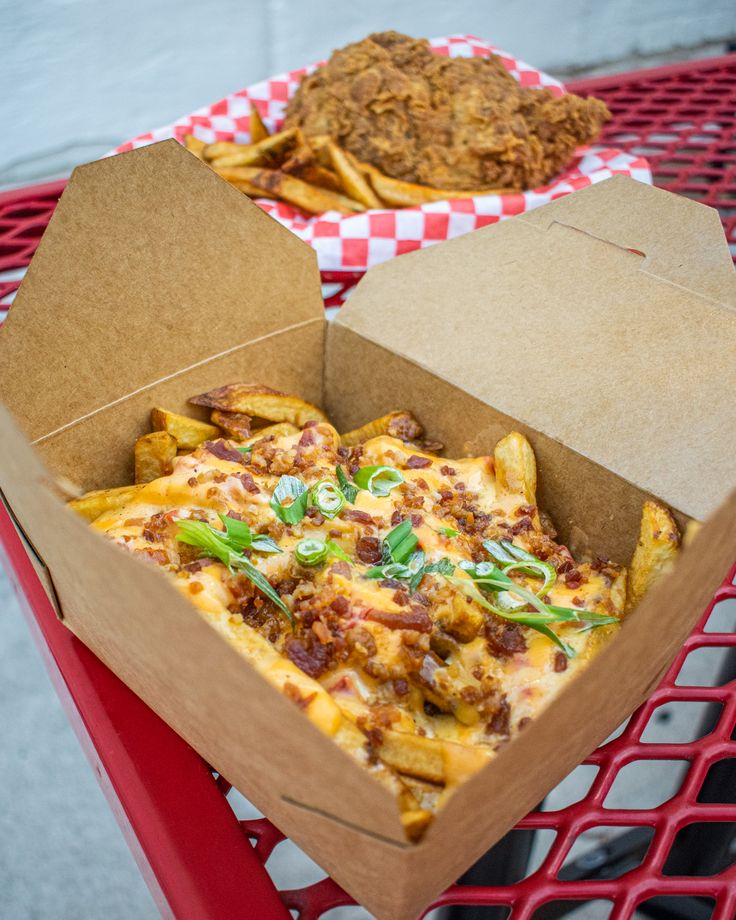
x,y
187,276
626,357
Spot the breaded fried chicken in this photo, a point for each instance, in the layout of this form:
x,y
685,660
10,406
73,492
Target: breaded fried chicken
x,y
459,123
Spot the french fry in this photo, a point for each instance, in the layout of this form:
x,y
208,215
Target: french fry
x,y
353,181
93,504
319,143
516,467
154,456
659,541
279,430
431,759
401,425
225,154
188,432
262,402
307,197
398,194
252,191
234,425
195,145
320,175
258,131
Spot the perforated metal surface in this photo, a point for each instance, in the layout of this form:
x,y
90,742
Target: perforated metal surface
x,y
684,120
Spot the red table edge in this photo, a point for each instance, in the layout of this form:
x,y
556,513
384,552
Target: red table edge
x,y
160,790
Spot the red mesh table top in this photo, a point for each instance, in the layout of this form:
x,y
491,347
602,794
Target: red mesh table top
x,y
199,859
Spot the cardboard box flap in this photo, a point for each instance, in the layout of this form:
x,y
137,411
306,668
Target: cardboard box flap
x,y
575,337
684,244
151,264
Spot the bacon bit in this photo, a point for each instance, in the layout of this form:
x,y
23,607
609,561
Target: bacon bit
x,y
415,618
293,693
401,597
446,495
448,470
308,437
565,566
574,579
343,452
312,423
286,586
401,687
341,605
522,526
315,516
374,742
195,587
578,601
198,564
368,550
527,510
249,483
223,452
459,487
321,632
415,462
504,639
499,724
352,514
149,535
155,555
416,520
312,658
422,484
560,662
341,568
396,517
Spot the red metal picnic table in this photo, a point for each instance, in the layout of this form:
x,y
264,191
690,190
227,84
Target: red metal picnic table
x,y
202,863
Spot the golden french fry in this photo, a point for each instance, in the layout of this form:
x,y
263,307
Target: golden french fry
x,y
258,131
401,425
431,759
188,432
234,425
279,430
352,179
93,504
301,155
263,402
659,542
319,143
319,175
398,194
195,145
516,466
252,191
154,456
225,154
307,197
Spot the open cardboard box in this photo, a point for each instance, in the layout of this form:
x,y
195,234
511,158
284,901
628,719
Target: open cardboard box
x,y
601,326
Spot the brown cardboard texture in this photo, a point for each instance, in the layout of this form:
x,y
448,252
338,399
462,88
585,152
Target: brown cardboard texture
x,y
156,280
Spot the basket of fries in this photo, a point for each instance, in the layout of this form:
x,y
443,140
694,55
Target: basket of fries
x,y
356,208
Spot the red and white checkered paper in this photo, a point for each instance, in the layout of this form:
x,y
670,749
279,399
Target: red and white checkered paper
x,y
351,243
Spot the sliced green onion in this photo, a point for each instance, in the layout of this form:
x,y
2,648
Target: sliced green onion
x,y
449,532
311,552
416,568
498,552
399,543
337,550
327,498
214,543
536,569
245,450
346,487
240,536
289,487
378,480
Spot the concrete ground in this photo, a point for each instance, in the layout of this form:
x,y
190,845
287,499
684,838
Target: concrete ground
x,y
62,855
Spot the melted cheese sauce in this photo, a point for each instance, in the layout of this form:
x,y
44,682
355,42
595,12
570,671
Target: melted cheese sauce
x,y
420,688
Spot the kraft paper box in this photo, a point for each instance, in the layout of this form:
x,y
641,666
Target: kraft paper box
x,y
602,326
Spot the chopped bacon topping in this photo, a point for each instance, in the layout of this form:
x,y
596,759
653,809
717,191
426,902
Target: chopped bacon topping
x,y
415,462
223,452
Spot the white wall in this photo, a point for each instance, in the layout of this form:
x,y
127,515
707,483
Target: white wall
x,y
79,76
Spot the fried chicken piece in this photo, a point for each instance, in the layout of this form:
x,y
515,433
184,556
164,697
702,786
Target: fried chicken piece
x,y
459,123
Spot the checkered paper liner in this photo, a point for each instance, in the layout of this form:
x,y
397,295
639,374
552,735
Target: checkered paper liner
x,y
352,243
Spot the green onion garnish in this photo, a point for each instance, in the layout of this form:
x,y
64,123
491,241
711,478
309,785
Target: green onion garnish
x,y
327,498
346,487
311,552
245,450
378,480
449,532
214,543
399,543
289,487
241,537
